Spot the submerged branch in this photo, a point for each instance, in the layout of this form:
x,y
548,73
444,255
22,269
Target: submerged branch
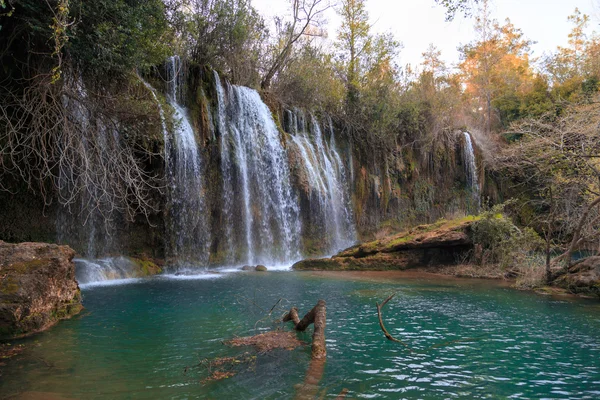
x,y
385,331
393,339
316,316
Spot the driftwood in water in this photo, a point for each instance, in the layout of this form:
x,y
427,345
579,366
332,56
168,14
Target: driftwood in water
x,y
316,316
385,332
314,374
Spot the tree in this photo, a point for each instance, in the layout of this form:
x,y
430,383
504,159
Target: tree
x,y
354,41
554,163
496,70
457,6
568,62
305,23
433,63
228,35
110,37
308,81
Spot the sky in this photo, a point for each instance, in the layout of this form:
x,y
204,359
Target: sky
x,y
417,23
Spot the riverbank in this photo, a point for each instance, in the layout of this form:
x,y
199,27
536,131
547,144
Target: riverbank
x,y
488,246
455,274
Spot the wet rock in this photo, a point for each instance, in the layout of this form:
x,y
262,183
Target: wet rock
x,y
247,268
37,287
261,268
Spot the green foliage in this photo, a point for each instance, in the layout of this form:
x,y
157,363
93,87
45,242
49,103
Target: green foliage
x,y
308,82
226,34
104,38
111,37
354,41
501,240
538,101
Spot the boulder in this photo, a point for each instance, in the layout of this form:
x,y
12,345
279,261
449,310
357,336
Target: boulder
x,y
259,268
37,287
582,278
442,243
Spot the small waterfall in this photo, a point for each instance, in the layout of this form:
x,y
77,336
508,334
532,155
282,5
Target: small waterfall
x,y
326,180
188,234
471,168
260,212
163,121
102,270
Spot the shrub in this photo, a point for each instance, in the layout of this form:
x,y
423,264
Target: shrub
x,y
502,242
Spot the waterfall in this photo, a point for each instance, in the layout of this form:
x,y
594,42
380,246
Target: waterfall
x,y
257,213
471,168
227,171
326,180
187,235
102,270
84,223
260,211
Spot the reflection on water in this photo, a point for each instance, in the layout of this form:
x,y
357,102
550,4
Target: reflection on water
x,y
136,340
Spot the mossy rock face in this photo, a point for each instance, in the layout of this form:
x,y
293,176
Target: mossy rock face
x,y
37,287
441,243
320,264
261,268
145,267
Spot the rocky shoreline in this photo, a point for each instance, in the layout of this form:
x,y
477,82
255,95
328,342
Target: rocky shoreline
x,y
445,249
37,287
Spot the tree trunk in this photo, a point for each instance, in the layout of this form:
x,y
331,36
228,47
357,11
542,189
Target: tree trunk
x,y
316,316
577,233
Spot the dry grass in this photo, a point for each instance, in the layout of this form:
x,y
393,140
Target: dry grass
x,y
474,271
531,272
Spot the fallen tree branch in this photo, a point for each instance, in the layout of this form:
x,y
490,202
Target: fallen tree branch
x,y
316,316
385,332
292,316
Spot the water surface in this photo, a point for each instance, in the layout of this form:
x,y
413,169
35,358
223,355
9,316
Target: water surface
x,y
469,340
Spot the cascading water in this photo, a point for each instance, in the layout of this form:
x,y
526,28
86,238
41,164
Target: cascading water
x,y
471,168
82,223
227,176
103,270
260,211
187,234
326,180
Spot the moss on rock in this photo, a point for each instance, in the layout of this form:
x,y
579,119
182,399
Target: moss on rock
x,y
37,287
145,267
440,243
